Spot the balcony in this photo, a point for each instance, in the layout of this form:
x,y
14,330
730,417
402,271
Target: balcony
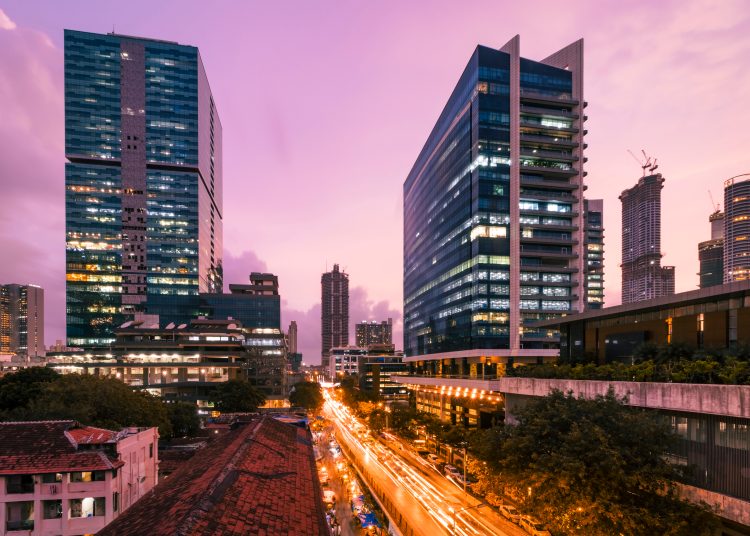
x,y
558,99
554,112
559,170
549,240
541,251
541,153
538,125
550,140
548,183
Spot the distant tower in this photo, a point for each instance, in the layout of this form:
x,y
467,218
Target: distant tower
x,y
711,253
292,335
594,242
737,228
643,276
374,332
22,320
334,312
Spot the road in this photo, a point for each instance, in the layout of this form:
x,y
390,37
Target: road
x,y
430,503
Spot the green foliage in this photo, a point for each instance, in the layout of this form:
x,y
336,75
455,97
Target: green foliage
x,y
308,395
376,420
237,396
183,416
18,389
592,467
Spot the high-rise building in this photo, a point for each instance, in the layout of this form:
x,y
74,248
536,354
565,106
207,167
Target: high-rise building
x,y
737,228
22,320
143,180
334,312
374,332
711,253
493,212
594,241
292,337
643,276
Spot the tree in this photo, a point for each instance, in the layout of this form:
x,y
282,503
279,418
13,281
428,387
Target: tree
x,y
20,388
593,467
376,420
237,396
308,395
183,416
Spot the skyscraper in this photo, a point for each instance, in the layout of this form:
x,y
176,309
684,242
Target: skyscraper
x,y
367,333
334,312
711,253
292,337
643,276
493,211
737,228
22,320
143,180
594,241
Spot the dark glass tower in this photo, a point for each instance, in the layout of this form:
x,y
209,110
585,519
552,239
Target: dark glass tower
x,y
334,312
493,225
711,253
143,180
594,238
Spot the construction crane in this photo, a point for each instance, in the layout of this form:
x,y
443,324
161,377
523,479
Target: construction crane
x,y
714,204
645,164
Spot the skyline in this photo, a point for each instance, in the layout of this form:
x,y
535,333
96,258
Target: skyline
x,y
298,226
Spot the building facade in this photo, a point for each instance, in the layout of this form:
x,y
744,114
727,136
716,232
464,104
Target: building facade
x,y
79,479
643,276
292,337
711,253
594,242
493,210
334,312
22,320
143,181
737,228
373,332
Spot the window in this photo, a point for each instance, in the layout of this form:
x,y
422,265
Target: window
x,y
52,509
52,478
151,450
19,515
19,484
88,476
87,507
116,501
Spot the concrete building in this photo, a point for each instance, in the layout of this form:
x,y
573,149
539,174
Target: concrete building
x,y
737,228
79,478
334,312
22,320
292,337
594,246
143,182
643,276
373,366
344,360
373,332
493,210
711,253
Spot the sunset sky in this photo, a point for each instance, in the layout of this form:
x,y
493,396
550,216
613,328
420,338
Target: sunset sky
x,y
325,106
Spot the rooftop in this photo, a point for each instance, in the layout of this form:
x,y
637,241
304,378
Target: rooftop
x,y
52,447
259,478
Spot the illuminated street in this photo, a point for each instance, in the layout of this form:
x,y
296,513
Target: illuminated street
x,y
430,503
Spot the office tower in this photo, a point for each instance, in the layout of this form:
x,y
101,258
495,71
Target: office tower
x,y
334,312
292,337
374,332
22,320
594,242
711,253
493,210
643,276
143,180
737,228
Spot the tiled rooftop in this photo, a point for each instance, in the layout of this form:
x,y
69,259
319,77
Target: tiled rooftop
x,y
50,446
258,479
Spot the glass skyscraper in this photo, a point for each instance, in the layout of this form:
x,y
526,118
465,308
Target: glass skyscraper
x,y
493,213
143,180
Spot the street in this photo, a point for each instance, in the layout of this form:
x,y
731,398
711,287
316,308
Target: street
x,y
429,503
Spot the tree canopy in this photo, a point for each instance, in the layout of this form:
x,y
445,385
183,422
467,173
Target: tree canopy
x,y
592,467
237,396
308,395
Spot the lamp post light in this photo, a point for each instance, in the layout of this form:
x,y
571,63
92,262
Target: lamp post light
x,y
455,512
464,444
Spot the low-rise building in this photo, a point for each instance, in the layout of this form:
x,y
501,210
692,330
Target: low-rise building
x,y
61,478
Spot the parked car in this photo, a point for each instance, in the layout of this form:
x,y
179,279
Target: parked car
x,y
451,471
432,458
533,527
510,513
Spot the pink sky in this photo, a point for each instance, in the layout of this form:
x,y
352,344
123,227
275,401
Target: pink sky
x,y
325,106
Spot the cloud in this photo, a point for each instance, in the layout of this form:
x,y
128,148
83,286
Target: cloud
x,y
237,268
5,22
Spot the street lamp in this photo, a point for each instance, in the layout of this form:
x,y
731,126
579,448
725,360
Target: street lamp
x,y
455,512
464,444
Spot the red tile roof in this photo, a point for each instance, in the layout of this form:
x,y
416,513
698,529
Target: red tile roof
x,y
47,447
91,436
257,479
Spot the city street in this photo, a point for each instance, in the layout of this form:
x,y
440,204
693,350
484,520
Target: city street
x,y
429,502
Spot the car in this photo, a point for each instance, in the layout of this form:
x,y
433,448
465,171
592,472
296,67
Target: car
x,y
510,513
432,458
451,471
533,526
329,497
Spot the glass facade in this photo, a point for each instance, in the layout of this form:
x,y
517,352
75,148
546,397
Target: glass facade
x,y
594,253
143,203
459,223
